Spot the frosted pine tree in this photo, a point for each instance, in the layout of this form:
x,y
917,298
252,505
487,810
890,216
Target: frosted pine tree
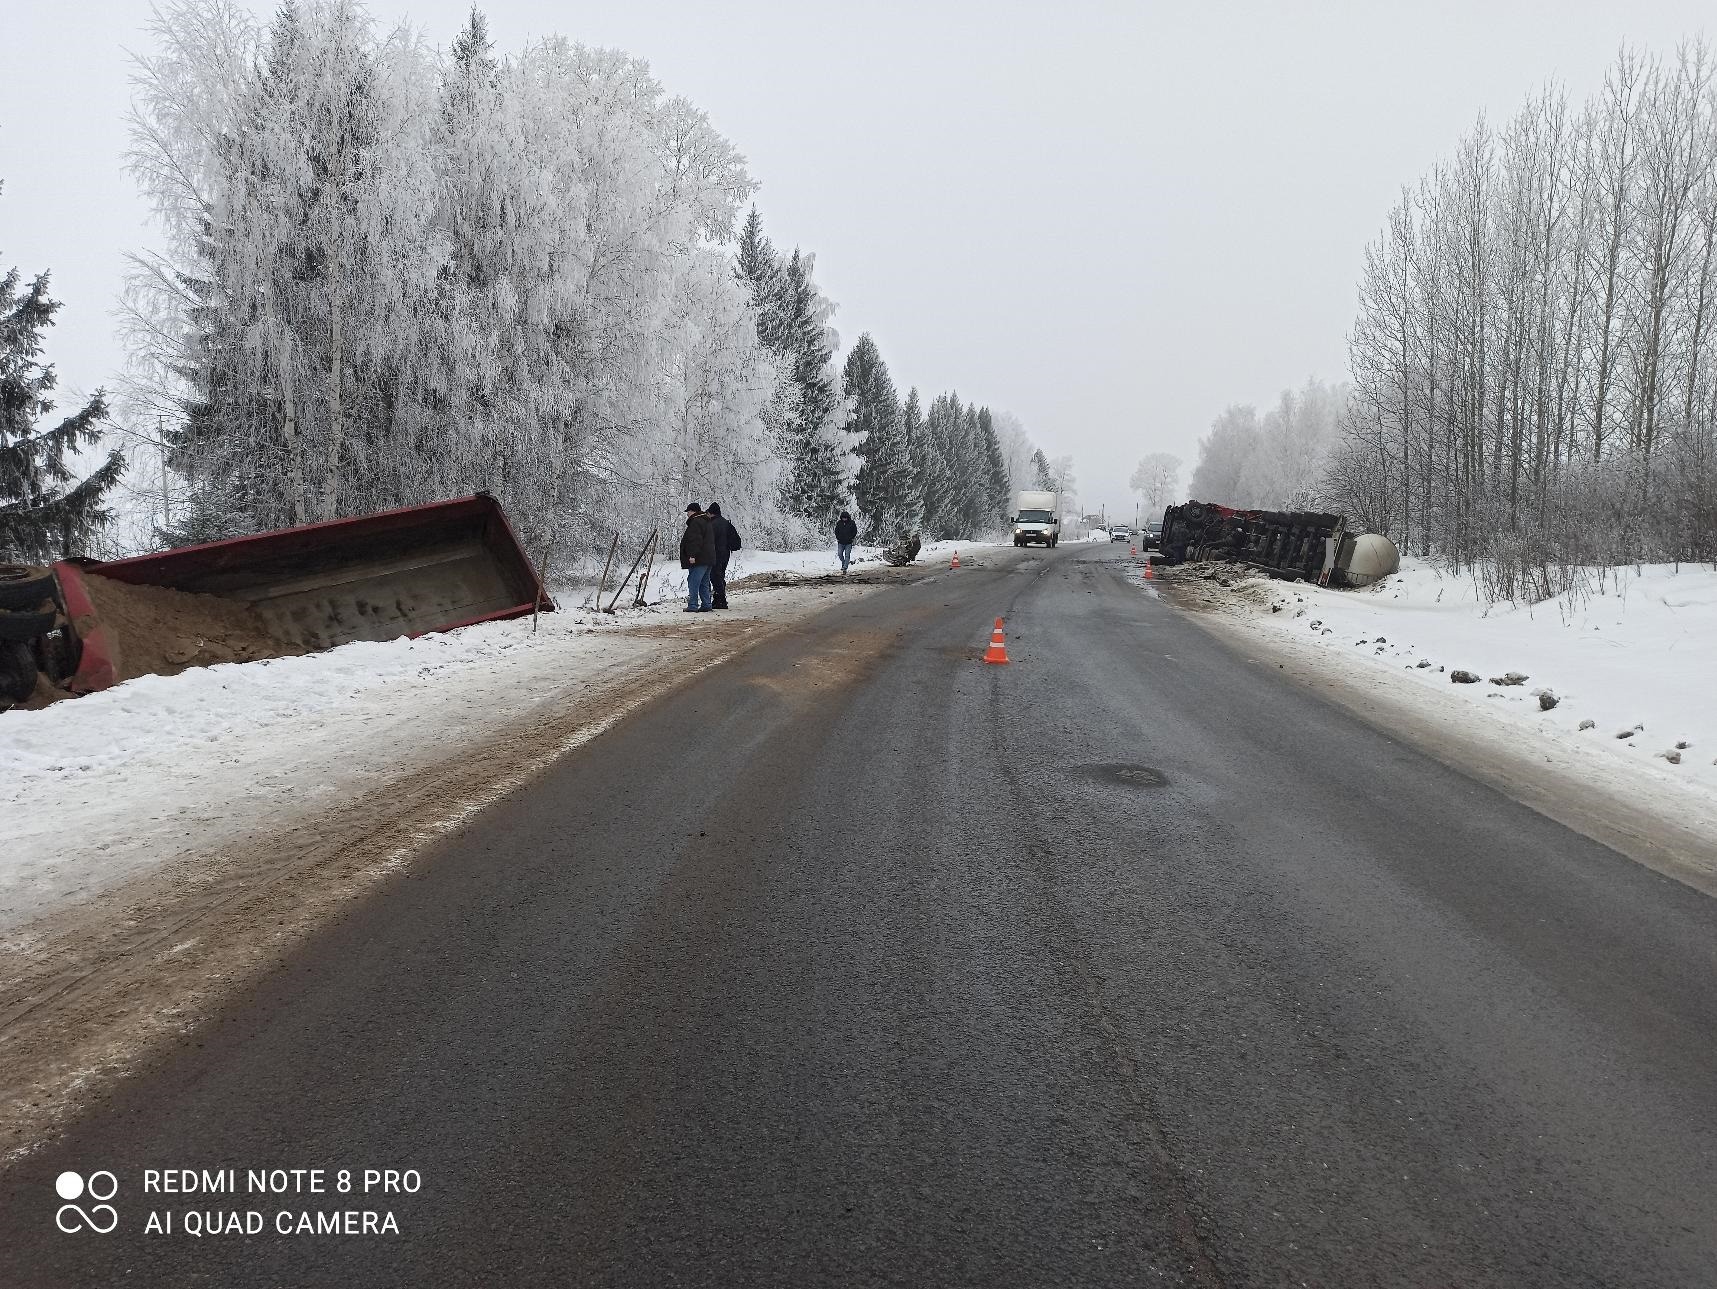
x,y
1041,474
46,511
941,479
885,488
997,490
813,441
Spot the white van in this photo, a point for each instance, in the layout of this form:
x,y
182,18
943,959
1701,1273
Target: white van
x,y
1037,518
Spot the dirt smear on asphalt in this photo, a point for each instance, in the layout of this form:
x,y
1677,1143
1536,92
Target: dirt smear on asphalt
x,y
90,992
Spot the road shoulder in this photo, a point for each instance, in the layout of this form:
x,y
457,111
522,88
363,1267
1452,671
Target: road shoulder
x,y
1670,830
106,977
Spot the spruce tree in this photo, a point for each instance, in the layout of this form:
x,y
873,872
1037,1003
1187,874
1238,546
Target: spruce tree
x,y
815,483
886,484
942,517
759,270
997,493
974,474
46,512
917,452
1040,466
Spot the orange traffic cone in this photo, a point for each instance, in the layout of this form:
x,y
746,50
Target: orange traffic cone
x,y
1133,551
1149,575
956,563
998,650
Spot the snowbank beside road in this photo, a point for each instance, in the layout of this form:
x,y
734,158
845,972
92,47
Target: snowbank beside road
x,y
669,583
106,787
1636,658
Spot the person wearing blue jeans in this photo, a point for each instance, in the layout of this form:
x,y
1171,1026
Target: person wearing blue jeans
x,y
846,533
697,557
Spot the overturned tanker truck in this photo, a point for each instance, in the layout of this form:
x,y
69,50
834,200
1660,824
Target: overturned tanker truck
x,y
1292,544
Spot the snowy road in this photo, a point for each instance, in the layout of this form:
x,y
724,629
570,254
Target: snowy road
x,y
856,961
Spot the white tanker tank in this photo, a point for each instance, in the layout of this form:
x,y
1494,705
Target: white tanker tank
x,y
1359,559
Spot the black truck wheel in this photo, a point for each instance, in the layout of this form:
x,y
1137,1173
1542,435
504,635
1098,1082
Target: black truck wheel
x,y
17,673
23,587
25,626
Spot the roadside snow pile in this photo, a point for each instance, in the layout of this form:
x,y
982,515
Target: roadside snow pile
x,y
670,582
119,780
1629,670
103,788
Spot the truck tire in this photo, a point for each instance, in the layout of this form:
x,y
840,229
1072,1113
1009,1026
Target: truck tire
x,y
25,626
17,673
58,654
23,587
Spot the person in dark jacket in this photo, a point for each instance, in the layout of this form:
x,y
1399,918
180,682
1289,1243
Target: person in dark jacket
x,y
726,542
846,533
697,557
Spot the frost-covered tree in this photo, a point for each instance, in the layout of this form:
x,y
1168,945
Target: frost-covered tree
x,y
885,488
1042,478
809,415
1277,461
392,276
813,438
1156,479
1534,375
962,476
760,270
1016,449
997,489
46,511
1224,456
940,480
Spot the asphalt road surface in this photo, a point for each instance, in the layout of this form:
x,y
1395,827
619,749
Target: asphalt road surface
x,y
859,962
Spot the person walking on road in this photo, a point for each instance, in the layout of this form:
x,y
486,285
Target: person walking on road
x,y
697,557
846,533
726,542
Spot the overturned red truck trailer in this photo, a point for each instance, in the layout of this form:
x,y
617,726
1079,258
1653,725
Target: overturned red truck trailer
x,y
1291,544
402,572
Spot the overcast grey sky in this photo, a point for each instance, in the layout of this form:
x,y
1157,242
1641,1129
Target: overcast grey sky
x,y
1111,219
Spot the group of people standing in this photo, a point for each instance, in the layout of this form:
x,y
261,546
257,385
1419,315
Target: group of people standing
x,y
709,542
705,548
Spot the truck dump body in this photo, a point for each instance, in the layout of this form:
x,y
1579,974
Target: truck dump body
x,y
397,573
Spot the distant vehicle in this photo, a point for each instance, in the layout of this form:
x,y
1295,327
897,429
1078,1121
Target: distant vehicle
x,y
1037,519
1120,534
1151,535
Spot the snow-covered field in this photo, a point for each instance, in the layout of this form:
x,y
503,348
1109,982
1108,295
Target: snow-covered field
x,y
102,788
1632,664
670,582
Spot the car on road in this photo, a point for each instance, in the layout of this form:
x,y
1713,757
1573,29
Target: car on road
x,y
1120,534
1151,535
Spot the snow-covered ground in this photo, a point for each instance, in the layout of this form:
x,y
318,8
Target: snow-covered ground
x,y
1632,664
670,582
102,788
